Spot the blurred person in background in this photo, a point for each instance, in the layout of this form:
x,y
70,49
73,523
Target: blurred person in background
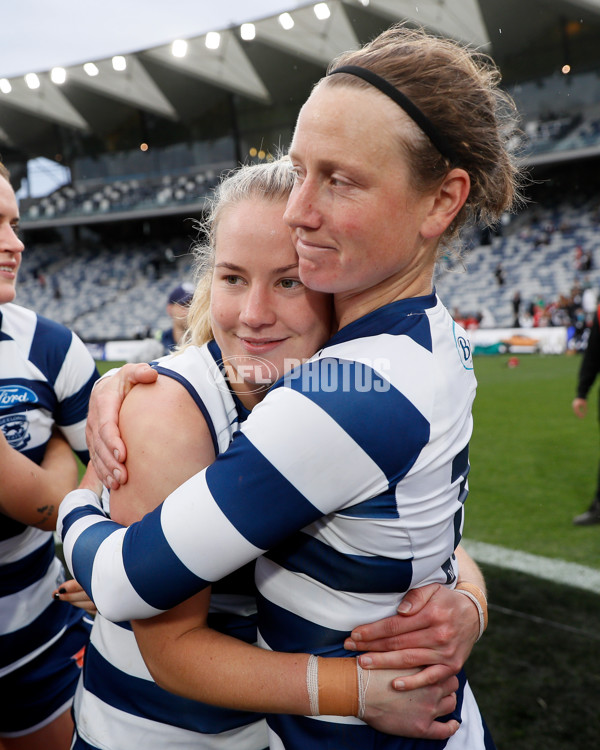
x,y
46,376
177,308
588,370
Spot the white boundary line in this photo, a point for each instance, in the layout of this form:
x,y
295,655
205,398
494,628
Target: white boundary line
x,y
547,568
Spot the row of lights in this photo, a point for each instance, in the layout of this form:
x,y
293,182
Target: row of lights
x,y
179,48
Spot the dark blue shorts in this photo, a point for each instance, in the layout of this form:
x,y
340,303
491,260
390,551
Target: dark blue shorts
x,y
39,691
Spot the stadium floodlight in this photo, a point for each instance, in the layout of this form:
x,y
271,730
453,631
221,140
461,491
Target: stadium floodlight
x,y
119,62
286,21
58,76
179,48
322,11
5,86
32,81
91,69
247,31
213,40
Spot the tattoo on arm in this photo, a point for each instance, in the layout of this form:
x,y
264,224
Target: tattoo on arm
x,y
46,512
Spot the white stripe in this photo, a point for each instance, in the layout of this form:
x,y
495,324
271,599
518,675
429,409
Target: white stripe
x,y
558,571
111,588
24,544
284,444
399,350
21,608
119,647
200,541
75,434
470,734
109,728
304,597
76,369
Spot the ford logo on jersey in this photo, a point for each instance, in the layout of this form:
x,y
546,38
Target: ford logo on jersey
x,y
13,395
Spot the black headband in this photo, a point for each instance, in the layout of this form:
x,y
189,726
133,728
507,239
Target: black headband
x,y
439,141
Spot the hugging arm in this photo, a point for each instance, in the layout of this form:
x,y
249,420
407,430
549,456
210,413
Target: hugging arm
x,y
436,628
166,432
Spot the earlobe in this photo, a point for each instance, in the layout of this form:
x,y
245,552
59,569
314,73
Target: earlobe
x,y
449,198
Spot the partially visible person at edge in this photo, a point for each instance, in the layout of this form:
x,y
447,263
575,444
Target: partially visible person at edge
x,y
588,370
363,487
46,376
182,422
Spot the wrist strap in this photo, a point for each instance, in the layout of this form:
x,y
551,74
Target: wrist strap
x,y
476,595
334,687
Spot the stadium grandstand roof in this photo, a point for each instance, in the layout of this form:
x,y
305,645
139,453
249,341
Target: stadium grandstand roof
x,y
266,65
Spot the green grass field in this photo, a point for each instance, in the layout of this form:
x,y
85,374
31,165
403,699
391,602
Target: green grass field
x,y
536,672
533,463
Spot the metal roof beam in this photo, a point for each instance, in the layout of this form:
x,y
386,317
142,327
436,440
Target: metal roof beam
x,y
46,102
227,67
133,86
317,41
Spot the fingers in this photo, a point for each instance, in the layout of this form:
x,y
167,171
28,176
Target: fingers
x,y
398,659
442,730
142,373
436,674
72,593
415,599
378,636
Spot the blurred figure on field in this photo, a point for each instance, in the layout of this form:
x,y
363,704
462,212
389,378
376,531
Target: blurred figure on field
x,y
516,306
590,366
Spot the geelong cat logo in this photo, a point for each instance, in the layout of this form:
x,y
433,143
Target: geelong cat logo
x,y
16,430
15,395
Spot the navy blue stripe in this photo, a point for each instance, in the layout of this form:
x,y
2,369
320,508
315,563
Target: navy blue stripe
x,y
405,316
285,631
370,416
41,395
52,620
10,528
460,464
74,408
87,543
237,482
380,506
197,400
155,571
43,685
18,575
146,699
49,358
458,522
302,553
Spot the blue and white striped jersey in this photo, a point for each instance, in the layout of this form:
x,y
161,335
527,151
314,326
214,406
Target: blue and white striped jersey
x,y
46,376
352,473
117,705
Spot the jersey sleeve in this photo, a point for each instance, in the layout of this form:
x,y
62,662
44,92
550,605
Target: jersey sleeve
x,y
73,387
302,453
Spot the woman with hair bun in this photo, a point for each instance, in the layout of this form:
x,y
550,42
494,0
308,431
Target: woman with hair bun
x,y
348,481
